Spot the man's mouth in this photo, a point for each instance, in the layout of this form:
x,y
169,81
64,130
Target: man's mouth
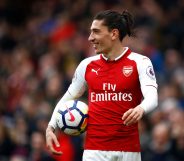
x,y
95,45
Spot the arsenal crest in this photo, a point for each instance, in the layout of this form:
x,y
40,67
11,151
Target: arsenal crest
x,y
127,70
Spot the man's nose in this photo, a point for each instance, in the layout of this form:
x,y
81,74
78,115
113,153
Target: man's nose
x,y
90,38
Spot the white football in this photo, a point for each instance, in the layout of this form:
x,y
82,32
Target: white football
x,y
72,117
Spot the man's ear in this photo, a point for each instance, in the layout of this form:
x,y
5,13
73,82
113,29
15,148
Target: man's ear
x,y
115,34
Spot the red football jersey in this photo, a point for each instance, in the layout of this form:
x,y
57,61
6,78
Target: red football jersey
x,y
113,88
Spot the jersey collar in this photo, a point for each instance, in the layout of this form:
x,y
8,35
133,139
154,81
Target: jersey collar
x,y
127,50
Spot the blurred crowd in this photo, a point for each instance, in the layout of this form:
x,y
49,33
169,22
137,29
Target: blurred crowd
x,y
42,42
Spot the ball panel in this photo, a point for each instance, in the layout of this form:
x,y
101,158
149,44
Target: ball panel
x,y
82,107
84,124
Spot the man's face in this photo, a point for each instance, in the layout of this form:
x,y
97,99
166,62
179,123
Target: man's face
x,y
100,37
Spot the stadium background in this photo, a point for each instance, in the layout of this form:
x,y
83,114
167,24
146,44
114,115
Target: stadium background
x,y
42,42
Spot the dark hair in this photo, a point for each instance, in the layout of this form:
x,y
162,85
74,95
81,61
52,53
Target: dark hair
x,y
114,20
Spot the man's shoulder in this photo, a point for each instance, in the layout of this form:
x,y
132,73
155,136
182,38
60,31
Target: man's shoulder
x,y
85,62
138,58
136,55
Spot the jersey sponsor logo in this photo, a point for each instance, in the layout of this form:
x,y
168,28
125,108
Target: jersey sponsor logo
x,y
109,94
95,71
127,70
150,72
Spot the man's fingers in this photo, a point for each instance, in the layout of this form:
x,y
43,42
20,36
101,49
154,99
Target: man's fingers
x,y
55,150
130,117
126,114
52,142
133,115
56,141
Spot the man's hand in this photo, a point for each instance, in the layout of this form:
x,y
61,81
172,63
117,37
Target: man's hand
x,y
133,115
51,140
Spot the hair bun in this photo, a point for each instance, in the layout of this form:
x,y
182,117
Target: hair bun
x,y
129,21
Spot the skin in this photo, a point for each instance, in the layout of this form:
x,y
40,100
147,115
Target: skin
x,y
52,139
133,115
108,43
105,41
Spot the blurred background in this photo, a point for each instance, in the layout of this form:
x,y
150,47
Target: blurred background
x,y
42,42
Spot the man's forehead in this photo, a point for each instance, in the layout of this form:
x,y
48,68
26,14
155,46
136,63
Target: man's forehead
x,y
97,24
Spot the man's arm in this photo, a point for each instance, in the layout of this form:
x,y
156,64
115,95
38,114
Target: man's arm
x,y
149,102
149,91
75,90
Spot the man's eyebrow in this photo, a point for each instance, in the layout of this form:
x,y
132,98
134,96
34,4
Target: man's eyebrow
x,y
94,29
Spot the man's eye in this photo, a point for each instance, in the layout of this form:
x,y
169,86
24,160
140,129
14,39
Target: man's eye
x,y
96,31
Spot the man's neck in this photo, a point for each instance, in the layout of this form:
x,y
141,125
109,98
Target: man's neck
x,y
115,52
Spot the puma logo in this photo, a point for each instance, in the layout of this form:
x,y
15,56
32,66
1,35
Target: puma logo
x,y
95,71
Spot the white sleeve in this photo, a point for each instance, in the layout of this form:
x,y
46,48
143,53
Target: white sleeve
x,y
75,90
148,85
65,98
150,100
79,85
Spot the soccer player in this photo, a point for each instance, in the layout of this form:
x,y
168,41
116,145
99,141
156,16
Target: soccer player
x,y
121,89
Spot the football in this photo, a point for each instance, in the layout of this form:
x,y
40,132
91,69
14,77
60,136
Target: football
x,y
72,117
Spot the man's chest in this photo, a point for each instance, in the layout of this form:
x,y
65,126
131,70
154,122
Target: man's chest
x,y
112,77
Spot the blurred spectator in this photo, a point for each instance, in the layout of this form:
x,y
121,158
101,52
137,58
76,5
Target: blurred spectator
x,y
17,158
19,137
178,146
160,147
172,62
38,150
6,144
